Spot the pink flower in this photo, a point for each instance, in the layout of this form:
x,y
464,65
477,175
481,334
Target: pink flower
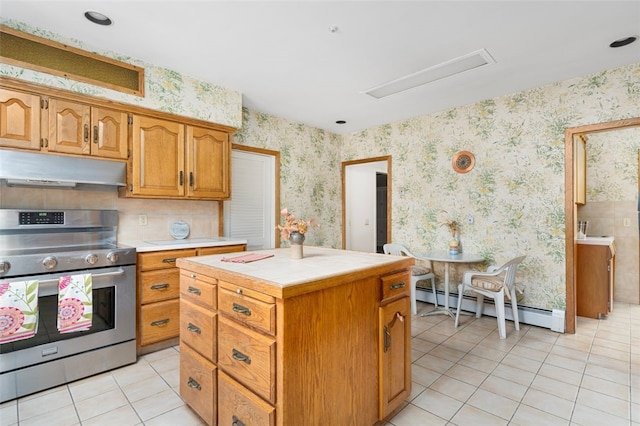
x,y
70,311
11,319
3,288
64,282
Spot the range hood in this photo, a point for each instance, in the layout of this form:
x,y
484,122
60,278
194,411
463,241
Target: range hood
x,y
19,168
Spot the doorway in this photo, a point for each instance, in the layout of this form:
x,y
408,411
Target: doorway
x,y
366,204
571,136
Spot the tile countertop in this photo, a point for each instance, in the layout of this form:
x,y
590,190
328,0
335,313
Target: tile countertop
x,y
599,241
159,245
281,270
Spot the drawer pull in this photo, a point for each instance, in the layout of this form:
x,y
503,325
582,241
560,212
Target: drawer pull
x,y
194,290
236,421
162,286
194,328
239,356
192,383
241,309
160,322
169,260
397,285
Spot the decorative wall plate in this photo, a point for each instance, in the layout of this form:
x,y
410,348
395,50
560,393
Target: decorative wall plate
x,y
179,230
463,161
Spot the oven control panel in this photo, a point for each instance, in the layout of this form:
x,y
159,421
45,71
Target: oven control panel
x,y
41,218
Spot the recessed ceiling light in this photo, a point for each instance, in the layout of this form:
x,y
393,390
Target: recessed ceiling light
x,y
98,18
341,122
623,41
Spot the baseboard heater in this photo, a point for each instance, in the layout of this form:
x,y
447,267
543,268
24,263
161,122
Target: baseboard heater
x,y
526,315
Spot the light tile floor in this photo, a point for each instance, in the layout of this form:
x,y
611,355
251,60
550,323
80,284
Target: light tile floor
x,y
461,377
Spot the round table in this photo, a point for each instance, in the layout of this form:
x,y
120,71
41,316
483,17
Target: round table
x,y
447,259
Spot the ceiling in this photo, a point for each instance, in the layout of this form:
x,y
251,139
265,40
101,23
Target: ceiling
x,y
286,61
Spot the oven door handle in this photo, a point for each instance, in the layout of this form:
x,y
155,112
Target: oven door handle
x,y
106,274
52,284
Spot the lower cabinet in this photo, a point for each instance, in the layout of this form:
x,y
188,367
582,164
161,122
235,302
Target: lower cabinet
x,y
594,280
395,359
198,384
159,294
335,354
237,406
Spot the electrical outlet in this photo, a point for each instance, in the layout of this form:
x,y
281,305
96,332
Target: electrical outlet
x,y
626,222
142,219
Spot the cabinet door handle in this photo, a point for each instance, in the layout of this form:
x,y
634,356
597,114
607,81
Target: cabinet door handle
x,y
192,383
95,134
239,356
194,328
181,178
397,285
194,290
162,286
169,260
387,339
236,421
190,178
86,133
160,322
241,309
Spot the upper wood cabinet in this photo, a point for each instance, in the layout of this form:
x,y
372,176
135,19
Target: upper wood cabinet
x,y
157,158
208,159
76,128
171,160
19,119
30,121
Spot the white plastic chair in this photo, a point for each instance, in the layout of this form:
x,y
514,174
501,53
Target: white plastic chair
x,y
496,283
418,273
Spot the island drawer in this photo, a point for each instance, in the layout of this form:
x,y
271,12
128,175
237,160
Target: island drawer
x,y
198,329
162,259
159,321
247,356
395,285
198,384
254,309
199,289
159,285
236,404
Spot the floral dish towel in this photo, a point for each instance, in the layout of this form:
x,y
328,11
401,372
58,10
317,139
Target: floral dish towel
x,y
18,310
75,303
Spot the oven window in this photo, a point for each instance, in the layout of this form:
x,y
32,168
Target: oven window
x,y
104,305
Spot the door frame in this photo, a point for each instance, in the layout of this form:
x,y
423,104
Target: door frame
x,y
346,164
571,210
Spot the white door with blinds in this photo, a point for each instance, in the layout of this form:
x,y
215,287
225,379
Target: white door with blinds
x,y
249,214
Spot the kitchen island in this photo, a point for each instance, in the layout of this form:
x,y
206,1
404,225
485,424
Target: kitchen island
x,y
278,341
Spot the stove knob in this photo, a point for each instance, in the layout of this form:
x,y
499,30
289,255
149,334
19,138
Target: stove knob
x,y
91,259
49,262
112,257
4,267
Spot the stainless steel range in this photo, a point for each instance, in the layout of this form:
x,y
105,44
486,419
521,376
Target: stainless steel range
x,y
43,246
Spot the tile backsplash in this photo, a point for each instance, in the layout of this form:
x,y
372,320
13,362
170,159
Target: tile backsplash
x,y
202,216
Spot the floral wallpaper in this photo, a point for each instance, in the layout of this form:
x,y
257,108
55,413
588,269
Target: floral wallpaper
x,y
165,90
613,151
310,167
515,193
